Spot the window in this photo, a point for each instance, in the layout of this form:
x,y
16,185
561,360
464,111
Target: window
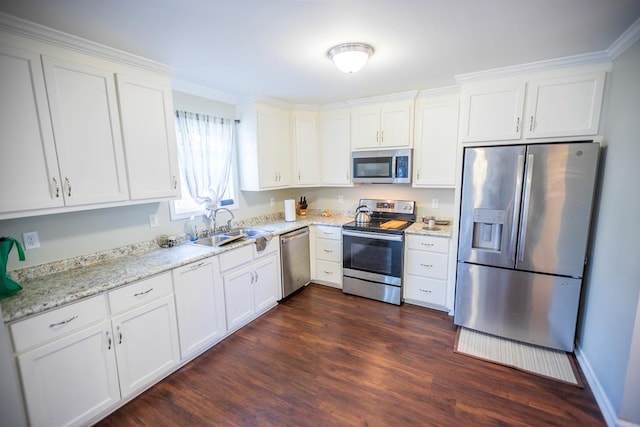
x,y
207,164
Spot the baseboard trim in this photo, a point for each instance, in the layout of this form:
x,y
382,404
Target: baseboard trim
x,y
602,399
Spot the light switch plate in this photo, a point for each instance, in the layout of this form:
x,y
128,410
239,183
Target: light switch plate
x,y
435,203
153,220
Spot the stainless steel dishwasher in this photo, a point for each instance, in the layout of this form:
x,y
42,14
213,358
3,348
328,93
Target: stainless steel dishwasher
x,y
294,253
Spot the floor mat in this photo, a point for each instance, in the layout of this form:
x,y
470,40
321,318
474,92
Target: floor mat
x,y
541,361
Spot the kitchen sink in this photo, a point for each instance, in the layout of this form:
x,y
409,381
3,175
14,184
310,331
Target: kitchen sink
x,y
221,239
250,232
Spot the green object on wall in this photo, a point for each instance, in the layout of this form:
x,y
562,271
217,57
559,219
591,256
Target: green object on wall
x,y
8,286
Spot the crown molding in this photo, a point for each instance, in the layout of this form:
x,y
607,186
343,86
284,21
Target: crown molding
x,y
443,91
31,30
593,58
625,41
394,97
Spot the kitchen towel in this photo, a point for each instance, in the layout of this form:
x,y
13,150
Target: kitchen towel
x,y
289,210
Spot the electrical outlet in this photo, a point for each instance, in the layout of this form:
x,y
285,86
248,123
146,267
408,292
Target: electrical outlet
x,y
31,240
435,203
153,220
340,199
272,201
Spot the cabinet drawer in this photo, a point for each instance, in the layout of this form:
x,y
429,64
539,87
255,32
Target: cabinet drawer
x,y
140,292
53,324
236,257
329,250
329,232
329,271
428,243
427,264
426,290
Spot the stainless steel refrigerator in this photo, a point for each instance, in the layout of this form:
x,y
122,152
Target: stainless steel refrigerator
x,y
524,226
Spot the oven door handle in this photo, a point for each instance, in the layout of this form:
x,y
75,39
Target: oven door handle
x,y
377,236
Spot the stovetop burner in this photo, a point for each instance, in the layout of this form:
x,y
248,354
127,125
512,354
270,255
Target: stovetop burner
x,y
387,216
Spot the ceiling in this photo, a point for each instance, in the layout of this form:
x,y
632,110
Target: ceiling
x,y
277,48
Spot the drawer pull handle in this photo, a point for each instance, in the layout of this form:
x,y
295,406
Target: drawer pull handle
x,y
108,341
328,233
328,272
200,264
137,294
426,244
53,325
427,265
328,250
425,290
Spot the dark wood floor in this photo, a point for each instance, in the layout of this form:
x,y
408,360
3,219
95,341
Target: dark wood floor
x,y
323,358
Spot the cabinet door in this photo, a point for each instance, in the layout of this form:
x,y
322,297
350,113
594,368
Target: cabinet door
x,y
265,283
568,106
492,111
366,128
238,296
335,149
395,125
305,139
436,143
71,380
84,113
199,307
146,344
148,129
274,148
27,136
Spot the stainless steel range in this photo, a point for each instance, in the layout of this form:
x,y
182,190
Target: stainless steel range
x,y
372,249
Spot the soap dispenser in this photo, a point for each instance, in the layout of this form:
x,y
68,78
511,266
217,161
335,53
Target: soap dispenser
x,y
8,286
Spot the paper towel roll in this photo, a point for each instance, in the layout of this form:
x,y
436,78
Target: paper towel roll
x,y
289,210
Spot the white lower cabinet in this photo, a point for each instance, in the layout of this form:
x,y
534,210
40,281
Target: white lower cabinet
x,y
67,363
426,264
199,305
251,282
326,255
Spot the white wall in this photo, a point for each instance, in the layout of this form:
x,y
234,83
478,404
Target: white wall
x,y
613,278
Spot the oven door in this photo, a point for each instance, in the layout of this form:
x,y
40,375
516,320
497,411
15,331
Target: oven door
x,y
371,256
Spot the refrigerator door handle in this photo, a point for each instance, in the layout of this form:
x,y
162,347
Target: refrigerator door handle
x,y
516,207
525,207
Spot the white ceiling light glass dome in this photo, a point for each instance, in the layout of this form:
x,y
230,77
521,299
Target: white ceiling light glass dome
x,y
350,57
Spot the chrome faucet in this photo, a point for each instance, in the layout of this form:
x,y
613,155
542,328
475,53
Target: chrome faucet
x,y
212,215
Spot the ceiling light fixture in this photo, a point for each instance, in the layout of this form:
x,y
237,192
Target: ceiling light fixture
x,y
350,57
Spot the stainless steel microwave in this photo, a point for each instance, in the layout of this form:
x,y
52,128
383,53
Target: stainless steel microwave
x,y
382,167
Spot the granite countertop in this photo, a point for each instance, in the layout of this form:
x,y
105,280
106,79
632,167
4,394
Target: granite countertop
x,y
120,267
439,230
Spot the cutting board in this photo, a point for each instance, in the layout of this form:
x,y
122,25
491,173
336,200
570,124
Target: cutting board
x,y
392,224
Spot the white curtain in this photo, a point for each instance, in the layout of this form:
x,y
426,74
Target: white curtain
x,y
205,149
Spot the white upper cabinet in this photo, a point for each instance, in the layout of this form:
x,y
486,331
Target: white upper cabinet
x,y
335,148
305,145
567,106
148,129
29,172
264,148
436,142
86,127
491,112
556,106
383,126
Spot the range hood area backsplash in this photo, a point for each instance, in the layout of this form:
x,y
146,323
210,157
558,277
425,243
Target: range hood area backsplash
x,y
74,234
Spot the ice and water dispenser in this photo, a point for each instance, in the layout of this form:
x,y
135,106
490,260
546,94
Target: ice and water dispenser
x,y
487,229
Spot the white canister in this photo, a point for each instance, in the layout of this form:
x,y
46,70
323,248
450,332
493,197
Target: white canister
x,y
289,210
